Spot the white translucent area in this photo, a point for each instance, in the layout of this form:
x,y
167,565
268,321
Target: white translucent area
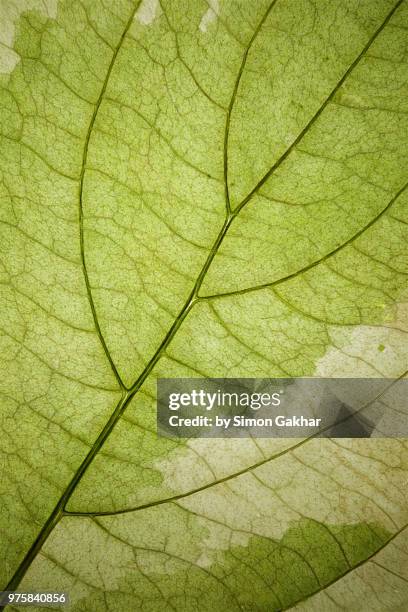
x,y
210,15
10,11
147,12
368,350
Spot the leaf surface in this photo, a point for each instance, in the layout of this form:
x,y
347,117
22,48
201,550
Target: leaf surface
x,y
211,190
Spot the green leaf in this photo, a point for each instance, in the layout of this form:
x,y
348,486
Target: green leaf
x,y
199,189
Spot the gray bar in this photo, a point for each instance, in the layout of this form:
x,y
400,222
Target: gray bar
x,y
282,408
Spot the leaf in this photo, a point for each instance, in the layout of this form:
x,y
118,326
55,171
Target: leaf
x,y
199,190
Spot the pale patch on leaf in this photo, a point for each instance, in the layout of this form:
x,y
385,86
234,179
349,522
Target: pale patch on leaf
x,y
147,11
364,351
210,15
10,11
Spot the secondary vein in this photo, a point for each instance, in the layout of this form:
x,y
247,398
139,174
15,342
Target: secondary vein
x,y
233,99
81,197
317,114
